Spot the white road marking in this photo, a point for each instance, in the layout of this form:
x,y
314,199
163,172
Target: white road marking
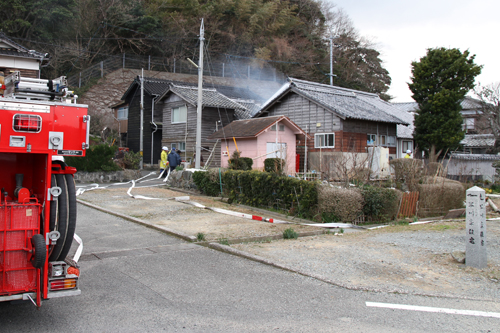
x,y
431,309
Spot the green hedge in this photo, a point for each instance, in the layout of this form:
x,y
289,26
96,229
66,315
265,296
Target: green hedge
x,y
262,189
381,204
97,158
274,165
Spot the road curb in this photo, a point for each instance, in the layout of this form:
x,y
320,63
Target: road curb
x,y
138,221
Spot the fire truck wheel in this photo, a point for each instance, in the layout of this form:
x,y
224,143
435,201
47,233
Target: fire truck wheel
x,y
39,255
53,208
62,223
70,184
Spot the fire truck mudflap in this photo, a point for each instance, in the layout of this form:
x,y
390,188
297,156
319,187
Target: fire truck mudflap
x,y
40,121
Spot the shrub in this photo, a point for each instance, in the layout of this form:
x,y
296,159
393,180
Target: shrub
x,y
440,196
264,189
339,204
207,183
290,234
274,165
236,162
97,158
132,160
380,203
408,170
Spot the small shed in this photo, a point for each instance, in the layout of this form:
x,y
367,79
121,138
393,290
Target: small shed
x,y
261,138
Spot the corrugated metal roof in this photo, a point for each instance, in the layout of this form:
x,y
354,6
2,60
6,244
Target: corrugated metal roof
x,y
478,140
346,103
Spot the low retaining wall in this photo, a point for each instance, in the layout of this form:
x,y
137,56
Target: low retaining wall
x,y
109,176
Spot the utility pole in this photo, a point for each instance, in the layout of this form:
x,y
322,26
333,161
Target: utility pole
x,y
331,60
200,98
141,164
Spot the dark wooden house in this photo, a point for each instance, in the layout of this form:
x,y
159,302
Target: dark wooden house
x,y
340,120
179,105
152,117
170,115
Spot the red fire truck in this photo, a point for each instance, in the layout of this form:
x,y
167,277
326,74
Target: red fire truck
x,y
40,122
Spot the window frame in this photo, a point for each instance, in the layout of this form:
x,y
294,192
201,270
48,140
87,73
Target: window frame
x,y
322,144
123,109
374,141
182,121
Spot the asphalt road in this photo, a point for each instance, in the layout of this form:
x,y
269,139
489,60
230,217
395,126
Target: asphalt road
x,y
138,279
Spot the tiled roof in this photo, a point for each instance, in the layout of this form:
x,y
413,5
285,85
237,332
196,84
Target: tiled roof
x,y
211,97
467,104
470,103
152,86
476,157
251,127
478,140
404,111
240,99
407,107
346,103
17,50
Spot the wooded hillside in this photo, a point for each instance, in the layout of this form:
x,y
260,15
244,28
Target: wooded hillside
x,y
291,35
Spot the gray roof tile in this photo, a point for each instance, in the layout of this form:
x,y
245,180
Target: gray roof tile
x,y
476,157
347,103
478,140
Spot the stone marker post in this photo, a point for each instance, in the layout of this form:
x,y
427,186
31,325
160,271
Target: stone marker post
x,y
475,228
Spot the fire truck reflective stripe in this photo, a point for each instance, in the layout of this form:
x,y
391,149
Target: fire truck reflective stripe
x,y
25,107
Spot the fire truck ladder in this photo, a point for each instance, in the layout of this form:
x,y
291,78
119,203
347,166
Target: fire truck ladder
x,y
37,89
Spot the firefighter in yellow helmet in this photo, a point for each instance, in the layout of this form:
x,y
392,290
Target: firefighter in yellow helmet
x,y
163,161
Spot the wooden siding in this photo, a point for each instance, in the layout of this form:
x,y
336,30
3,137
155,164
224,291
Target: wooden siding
x,y
369,127
307,115
28,73
186,132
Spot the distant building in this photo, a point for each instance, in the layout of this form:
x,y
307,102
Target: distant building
x,y
15,57
478,138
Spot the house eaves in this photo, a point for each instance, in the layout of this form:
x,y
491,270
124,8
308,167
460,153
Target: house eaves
x,y
14,49
251,128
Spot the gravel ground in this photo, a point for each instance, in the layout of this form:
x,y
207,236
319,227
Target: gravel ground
x,y
406,259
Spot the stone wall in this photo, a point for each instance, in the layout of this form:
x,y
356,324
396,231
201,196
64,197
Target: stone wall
x,y
109,176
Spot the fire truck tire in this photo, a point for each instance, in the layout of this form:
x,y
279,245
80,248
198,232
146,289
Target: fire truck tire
x,y
53,208
40,252
62,223
70,185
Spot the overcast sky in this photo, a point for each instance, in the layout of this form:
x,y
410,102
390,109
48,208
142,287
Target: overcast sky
x,y
404,30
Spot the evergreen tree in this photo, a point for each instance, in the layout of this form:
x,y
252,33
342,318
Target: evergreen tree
x,y
440,81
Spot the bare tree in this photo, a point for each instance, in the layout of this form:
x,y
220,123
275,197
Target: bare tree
x,y
490,108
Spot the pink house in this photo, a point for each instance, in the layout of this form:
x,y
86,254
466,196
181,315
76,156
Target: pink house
x,y
261,138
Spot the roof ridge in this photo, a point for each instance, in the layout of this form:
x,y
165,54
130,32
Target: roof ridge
x,y
333,87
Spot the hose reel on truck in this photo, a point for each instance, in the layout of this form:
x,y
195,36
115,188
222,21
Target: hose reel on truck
x,y
39,121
